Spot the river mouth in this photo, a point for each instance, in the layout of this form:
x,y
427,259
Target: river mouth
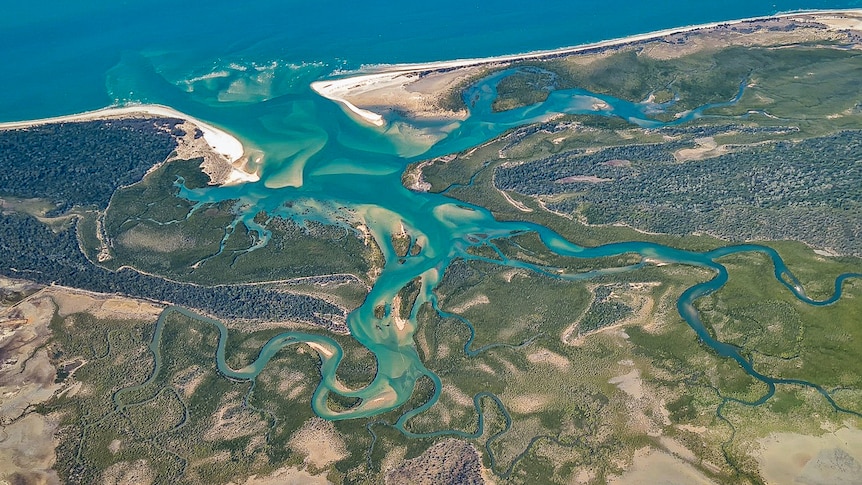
x,y
340,173
557,267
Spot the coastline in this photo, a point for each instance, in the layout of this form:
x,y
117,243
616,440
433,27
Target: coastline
x,y
388,78
220,142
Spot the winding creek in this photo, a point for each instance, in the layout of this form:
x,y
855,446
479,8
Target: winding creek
x,y
322,166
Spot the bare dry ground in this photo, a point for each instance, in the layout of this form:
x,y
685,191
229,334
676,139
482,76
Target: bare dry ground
x,y
834,457
27,378
447,462
321,444
286,476
27,451
125,473
654,467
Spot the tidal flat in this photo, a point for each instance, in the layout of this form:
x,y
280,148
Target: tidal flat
x,y
604,270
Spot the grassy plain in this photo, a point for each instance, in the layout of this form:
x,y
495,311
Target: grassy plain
x,y
574,406
582,405
182,421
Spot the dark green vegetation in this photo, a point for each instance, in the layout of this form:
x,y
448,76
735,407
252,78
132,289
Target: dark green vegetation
x,y
605,311
148,233
782,163
188,423
81,164
483,293
152,229
552,381
407,297
449,461
401,243
175,419
573,407
708,75
581,403
30,249
784,337
525,87
808,190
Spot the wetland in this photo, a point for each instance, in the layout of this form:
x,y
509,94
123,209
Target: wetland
x,y
532,294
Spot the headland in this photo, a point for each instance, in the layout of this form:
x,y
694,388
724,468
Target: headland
x,y
424,90
225,157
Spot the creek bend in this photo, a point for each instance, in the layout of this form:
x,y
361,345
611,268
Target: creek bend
x,y
337,172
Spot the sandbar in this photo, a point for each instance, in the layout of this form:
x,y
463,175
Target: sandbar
x,y
220,142
416,89
325,352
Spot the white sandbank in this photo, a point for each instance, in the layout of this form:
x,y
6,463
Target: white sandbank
x,y
325,352
219,140
370,116
385,75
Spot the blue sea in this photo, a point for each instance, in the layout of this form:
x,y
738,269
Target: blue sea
x,y
58,56
247,66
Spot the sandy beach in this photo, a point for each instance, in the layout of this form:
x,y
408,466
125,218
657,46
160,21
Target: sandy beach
x,y
219,141
323,351
394,85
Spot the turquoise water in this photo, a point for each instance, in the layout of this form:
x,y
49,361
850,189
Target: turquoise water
x,y
56,54
339,168
247,69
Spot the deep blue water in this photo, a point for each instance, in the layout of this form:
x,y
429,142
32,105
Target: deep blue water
x,y
247,68
56,54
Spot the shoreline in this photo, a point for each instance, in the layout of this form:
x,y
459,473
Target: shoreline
x,y
386,76
220,142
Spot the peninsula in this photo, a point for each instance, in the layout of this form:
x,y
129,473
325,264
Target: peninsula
x,y
635,261
430,90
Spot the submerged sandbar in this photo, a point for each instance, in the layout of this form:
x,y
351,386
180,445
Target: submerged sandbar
x,y
422,90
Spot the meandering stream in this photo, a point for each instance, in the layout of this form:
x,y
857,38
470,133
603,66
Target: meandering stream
x,y
322,166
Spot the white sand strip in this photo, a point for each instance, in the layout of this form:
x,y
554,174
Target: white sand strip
x,y
369,116
325,352
219,140
397,75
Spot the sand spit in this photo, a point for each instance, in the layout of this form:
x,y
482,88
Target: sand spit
x,y
220,143
415,92
325,352
416,89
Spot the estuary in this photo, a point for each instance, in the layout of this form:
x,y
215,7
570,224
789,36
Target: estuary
x,y
350,175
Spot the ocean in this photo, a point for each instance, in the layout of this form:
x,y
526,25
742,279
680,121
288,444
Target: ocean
x,y
246,67
59,56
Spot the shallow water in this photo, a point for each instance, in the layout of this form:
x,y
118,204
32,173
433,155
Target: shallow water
x,y
247,69
445,229
57,54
